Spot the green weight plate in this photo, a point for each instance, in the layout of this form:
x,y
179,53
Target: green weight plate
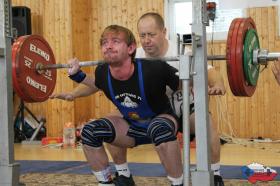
x,y
251,70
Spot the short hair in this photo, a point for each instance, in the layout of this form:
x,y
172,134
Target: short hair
x,y
129,37
157,17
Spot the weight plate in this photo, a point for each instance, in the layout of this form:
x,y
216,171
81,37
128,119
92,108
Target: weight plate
x,y
251,70
245,87
16,86
235,42
230,55
29,84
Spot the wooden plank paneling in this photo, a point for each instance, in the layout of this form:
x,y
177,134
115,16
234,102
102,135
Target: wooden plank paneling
x,y
80,34
57,30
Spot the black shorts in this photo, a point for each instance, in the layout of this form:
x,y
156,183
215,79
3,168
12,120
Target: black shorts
x,y
140,133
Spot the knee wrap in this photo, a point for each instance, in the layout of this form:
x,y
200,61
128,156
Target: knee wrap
x,y
161,130
98,131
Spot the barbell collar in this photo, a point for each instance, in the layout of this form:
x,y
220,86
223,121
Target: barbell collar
x,y
262,56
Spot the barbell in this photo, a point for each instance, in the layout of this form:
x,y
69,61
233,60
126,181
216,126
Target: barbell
x,y
34,67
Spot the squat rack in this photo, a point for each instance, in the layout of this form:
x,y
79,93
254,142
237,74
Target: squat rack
x,y
9,170
194,67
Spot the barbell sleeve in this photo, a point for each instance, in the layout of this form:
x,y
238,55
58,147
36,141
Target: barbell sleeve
x,y
262,56
273,56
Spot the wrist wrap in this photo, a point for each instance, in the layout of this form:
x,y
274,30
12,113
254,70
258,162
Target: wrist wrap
x,y
78,77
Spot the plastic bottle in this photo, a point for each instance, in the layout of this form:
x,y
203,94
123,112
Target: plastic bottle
x,y
69,135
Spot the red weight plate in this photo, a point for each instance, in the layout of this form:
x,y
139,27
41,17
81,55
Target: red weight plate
x,y
234,67
238,68
235,87
16,86
246,89
29,84
235,41
230,55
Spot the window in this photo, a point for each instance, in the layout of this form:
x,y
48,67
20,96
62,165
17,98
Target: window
x,y
179,18
183,17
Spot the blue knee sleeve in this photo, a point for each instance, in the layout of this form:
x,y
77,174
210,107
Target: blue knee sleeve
x,y
98,131
161,130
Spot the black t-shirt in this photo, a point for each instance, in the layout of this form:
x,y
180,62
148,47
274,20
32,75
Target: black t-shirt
x,y
156,76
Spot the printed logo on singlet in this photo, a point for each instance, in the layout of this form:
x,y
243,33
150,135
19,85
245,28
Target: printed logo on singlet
x,y
128,100
129,103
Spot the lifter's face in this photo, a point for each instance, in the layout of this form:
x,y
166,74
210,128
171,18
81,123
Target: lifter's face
x,y
151,36
115,49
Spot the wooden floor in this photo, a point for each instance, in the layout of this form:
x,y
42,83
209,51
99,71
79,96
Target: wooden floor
x,y
231,154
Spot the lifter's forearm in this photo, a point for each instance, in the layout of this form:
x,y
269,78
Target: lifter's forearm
x,y
82,91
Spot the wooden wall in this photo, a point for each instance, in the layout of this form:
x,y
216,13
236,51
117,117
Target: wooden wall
x,y
73,29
